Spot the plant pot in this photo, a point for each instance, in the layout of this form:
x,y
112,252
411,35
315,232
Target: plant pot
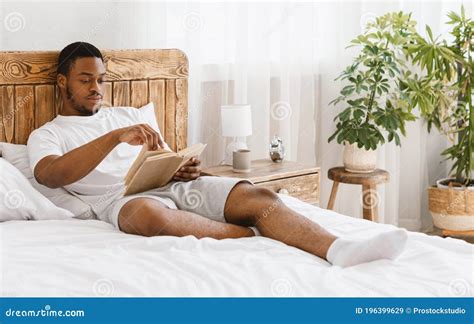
x,y
447,183
452,209
359,160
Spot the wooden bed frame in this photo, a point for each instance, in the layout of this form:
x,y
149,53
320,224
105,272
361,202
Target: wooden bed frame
x,y
29,96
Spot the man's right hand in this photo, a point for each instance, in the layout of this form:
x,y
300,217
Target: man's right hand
x,y
56,171
141,134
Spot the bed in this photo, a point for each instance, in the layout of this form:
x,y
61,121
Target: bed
x,y
91,258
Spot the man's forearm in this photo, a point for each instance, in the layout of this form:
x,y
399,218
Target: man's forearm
x,y
77,163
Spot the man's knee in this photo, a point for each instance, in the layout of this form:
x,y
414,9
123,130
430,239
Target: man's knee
x,y
249,203
265,201
257,195
143,216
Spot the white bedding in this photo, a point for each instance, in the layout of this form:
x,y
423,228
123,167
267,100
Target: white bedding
x,y
91,258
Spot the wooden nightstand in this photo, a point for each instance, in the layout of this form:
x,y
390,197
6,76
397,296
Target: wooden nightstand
x,y
292,178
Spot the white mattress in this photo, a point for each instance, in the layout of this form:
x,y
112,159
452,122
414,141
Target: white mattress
x,y
91,258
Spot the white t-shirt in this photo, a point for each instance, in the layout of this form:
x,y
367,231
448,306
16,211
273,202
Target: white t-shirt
x,y
65,133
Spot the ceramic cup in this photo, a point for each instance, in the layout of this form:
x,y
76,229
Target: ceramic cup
x,y
241,161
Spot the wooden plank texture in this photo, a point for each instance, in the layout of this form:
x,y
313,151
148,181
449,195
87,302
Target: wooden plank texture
x,y
181,113
36,67
170,114
138,93
121,96
107,98
157,96
58,103
24,113
8,113
29,96
44,104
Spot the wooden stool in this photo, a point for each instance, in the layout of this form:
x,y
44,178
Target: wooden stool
x,y
369,183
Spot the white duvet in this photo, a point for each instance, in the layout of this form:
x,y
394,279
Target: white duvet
x,y
91,258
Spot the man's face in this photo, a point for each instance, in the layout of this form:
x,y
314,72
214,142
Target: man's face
x,y
84,85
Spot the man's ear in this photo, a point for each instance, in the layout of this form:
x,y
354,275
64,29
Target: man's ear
x,y
61,80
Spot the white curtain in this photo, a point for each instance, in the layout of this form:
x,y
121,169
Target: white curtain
x,y
280,57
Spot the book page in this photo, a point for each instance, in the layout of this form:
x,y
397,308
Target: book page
x,y
142,156
194,150
154,169
154,174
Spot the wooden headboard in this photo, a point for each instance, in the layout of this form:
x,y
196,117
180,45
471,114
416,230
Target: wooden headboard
x,y
29,96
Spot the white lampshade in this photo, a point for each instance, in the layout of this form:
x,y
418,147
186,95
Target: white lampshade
x,y
236,120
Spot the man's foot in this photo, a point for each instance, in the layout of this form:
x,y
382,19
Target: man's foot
x,y
345,252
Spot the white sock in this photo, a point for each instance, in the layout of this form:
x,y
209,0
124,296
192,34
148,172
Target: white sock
x,y
346,252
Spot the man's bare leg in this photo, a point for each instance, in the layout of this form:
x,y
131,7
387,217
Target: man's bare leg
x,y
248,205
149,217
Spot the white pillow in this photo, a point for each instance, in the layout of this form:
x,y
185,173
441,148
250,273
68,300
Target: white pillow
x,y
148,116
20,201
17,155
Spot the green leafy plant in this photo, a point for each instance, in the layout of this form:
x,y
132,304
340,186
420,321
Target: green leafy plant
x,y
377,103
444,92
397,70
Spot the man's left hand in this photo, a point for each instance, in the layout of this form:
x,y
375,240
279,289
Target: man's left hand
x,y
190,171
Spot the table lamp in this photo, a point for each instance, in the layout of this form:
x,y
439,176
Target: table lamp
x,y
236,123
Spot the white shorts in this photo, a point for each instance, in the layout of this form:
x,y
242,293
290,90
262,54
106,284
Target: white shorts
x,y
205,196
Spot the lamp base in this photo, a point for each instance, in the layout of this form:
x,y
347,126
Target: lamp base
x,y
231,147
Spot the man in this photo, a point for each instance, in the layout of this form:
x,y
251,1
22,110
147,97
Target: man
x,y
88,150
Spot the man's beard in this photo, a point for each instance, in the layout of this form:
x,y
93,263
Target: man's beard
x,y
81,109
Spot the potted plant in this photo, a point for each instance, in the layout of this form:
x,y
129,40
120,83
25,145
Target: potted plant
x,y
444,96
377,105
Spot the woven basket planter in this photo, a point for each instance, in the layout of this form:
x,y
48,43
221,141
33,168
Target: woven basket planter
x,y
452,209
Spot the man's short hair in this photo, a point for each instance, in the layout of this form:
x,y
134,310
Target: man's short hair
x,y
72,52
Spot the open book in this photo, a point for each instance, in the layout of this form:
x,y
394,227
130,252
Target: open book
x,y
154,169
